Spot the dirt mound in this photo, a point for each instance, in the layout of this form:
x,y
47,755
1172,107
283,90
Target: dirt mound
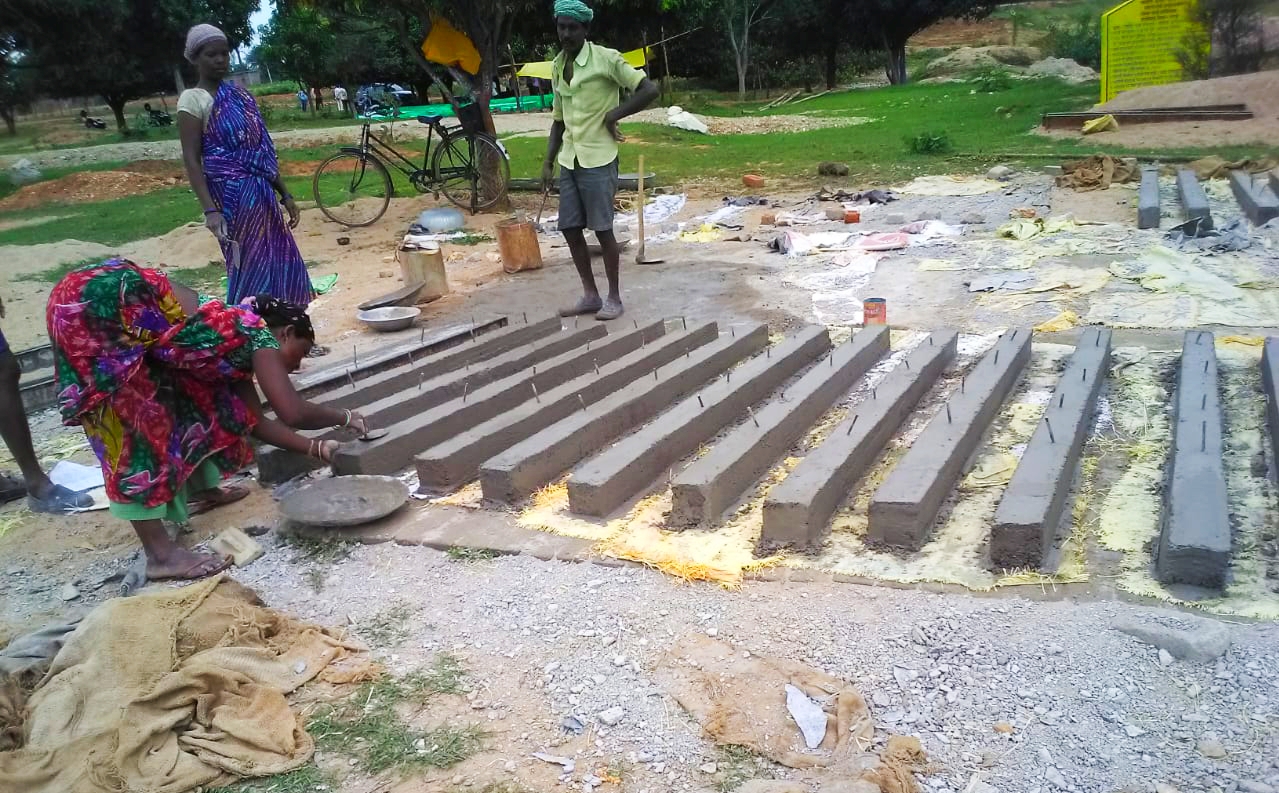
x,y
1064,68
86,186
972,59
164,169
1260,92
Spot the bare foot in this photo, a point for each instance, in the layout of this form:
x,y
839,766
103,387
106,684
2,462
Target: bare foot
x,y
181,564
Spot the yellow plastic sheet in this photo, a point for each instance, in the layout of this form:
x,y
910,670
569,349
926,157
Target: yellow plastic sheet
x,y
1063,321
447,45
1106,123
705,233
1026,228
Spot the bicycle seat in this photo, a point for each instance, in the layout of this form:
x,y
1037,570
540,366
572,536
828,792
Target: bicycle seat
x,y
429,120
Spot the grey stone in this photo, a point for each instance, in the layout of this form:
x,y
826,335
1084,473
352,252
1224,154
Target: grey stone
x,y
1212,749
973,219
708,768
1055,778
929,214
1001,172
895,219
1165,657
611,717
68,592
1250,786
1201,640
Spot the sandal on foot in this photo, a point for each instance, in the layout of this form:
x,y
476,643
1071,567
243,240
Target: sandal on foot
x,y
12,488
225,495
317,351
59,501
205,566
584,306
612,309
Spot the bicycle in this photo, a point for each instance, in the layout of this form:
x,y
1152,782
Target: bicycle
x,y
354,186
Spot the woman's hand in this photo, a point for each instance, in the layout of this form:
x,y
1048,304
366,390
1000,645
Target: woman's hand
x,y
328,449
215,222
295,214
359,424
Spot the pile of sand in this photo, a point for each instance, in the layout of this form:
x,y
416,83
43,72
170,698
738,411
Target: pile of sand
x,y
86,186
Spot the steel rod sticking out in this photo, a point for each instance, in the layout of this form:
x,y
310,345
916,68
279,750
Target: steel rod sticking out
x,y
948,418
850,426
1048,424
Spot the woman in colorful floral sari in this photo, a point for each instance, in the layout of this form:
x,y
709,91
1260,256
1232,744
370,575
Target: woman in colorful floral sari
x,y
162,380
233,170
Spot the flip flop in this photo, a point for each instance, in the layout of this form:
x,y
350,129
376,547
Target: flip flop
x,y
584,306
12,488
197,570
226,495
612,309
317,351
59,501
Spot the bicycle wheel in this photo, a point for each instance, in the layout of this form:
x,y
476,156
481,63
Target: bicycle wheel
x,y
352,189
472,171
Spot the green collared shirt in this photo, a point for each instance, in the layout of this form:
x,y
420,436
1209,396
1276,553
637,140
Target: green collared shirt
x,y
598,75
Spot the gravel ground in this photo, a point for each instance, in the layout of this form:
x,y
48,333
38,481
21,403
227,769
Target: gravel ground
x,y
1017,694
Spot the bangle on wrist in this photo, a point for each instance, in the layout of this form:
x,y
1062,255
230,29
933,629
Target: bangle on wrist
x,y
347,423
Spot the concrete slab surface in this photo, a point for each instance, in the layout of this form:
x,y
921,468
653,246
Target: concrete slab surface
x,y
379,385
331,374
533,463
1148,199
708,487
278,465
606,481
1194,201
1194,544
1259,205
408,437
797,512
903,510
455,461
1029,516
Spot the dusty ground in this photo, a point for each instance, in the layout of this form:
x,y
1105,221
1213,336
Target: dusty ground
x,y
1071,687
1260,92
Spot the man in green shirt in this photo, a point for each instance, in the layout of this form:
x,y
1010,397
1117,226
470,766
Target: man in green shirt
x,y
587,80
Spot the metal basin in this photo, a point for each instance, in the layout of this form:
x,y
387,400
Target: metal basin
x,y
389,318
345,501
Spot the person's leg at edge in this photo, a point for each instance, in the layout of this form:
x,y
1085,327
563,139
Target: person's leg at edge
x,y
598,198
167,559
14,428
573,223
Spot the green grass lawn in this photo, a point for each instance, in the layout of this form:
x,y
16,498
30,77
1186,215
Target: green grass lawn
x,y
981,128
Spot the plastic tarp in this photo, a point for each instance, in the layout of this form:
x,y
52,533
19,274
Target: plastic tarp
x,y
541,70
449,46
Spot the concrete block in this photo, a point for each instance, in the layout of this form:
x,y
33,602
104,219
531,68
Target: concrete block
x,y
332,374
797,511
390,382
1148,199
705,489
406,438
1274,181
903,510
1270,383
531,464
1258,204
1030,511
605,482
1194,544
242,548
455,461
278,465
1194,201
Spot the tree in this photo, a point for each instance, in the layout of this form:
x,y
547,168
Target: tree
x,y
117,49
304,43
741,17
15,82
891,23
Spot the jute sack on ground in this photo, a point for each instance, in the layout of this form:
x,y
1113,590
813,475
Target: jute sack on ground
x,y
170,691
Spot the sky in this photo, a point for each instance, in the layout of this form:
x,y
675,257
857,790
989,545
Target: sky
x,y
261,16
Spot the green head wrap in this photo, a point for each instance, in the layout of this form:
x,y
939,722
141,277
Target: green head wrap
x,y
574,9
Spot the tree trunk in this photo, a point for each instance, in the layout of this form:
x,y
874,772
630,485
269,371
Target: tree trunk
x,y
10,122
832,62
896,67
116,103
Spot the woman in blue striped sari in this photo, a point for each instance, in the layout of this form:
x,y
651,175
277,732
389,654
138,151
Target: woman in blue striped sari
x,y
233,170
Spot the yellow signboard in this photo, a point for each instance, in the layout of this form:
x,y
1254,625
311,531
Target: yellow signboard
x,y
1139,43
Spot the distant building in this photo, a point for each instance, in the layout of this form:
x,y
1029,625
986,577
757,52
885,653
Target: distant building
x,y
246,77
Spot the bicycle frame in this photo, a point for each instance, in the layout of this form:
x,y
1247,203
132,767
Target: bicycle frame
x,y
372,145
